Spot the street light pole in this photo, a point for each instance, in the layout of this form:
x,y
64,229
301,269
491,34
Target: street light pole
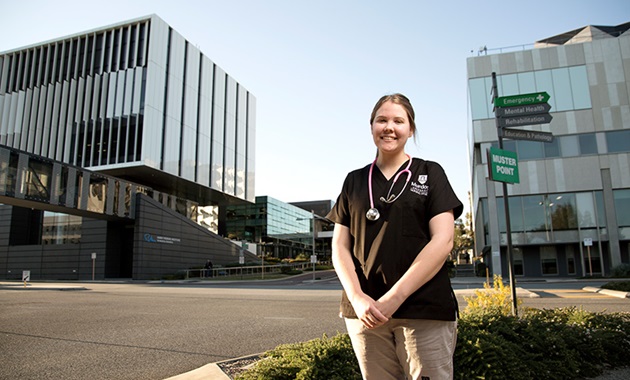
x,y
314,256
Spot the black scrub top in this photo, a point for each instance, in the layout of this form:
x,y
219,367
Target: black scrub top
x,y
384,249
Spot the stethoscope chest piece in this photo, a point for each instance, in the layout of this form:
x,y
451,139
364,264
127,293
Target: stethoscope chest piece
x,y
372,214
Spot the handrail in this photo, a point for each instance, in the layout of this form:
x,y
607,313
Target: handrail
x,y
241,270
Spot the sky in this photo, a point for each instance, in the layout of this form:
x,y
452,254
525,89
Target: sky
x,y
317,68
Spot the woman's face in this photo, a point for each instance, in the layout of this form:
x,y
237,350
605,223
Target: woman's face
x,y
391,128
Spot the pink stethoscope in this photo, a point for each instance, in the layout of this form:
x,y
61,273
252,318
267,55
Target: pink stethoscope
x,y
373,214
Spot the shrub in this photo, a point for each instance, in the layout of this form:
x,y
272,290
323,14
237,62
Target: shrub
x,y
621,271
561,343
325,359
623,286
492,300
289,270
564,343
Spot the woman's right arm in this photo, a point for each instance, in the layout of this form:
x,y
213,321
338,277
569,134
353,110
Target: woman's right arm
x,y
364,306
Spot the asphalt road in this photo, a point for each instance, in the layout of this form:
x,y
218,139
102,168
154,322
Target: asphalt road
x,y
154,331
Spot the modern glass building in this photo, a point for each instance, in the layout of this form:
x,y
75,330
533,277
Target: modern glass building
x,y
569,213
132,112
279,229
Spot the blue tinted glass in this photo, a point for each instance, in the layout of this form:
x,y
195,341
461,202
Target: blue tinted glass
x,y
579,87
562,89
552,149
479,98
588,143
622,203
618,141
529,150
508,85
569,146
534,209
526,83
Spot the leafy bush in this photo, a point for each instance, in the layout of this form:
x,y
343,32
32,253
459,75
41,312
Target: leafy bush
x,y
325,358
289,270
621,271
564,343
494,300
561,343
623,286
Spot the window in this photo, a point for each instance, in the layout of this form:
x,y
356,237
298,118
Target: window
x,y
579,87
534,214
588,143
592,264
519,269
562,211
586,210
530,150
548,261
61,228
552,149
618,141
570,254
622,205
567,86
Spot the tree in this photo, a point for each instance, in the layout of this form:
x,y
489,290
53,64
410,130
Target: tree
x,y
464,239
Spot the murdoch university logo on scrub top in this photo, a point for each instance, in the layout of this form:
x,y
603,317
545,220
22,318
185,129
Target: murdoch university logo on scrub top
x,y
420,187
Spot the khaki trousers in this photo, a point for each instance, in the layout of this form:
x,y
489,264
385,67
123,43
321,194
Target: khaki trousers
x,y
417,349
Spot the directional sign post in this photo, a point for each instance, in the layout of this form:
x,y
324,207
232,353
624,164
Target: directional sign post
x,y
521,100
521,110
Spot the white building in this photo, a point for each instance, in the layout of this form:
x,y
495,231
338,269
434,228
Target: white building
x,y
575,190
108,138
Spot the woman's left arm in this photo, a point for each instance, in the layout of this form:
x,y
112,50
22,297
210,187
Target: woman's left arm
x,y
426,265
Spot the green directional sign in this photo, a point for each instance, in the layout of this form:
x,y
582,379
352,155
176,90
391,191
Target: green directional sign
x,y
502,165
521,100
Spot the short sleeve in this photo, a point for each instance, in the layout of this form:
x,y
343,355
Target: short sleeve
x,y
340,212
442,198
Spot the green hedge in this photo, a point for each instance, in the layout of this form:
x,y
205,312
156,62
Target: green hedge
x,y
554,344
325,358
564,343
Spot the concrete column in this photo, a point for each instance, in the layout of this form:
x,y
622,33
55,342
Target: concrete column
x,y
611,220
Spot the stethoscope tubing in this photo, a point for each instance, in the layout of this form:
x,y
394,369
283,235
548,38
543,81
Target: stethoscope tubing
x,y
373,213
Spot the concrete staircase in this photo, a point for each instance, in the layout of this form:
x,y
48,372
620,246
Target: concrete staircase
x,y
465,270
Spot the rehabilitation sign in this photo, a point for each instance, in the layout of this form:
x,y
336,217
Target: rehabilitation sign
x,y
502,165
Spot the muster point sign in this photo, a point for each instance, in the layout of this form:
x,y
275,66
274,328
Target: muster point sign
x,y
502,165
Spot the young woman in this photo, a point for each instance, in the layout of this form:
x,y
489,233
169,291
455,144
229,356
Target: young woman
x,y
394,226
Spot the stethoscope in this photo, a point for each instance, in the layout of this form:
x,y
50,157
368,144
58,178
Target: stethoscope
x,y
373,214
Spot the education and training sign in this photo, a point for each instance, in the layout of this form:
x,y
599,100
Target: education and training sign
x,y
502,165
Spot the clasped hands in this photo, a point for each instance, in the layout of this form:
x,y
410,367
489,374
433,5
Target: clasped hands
x,y
374,313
